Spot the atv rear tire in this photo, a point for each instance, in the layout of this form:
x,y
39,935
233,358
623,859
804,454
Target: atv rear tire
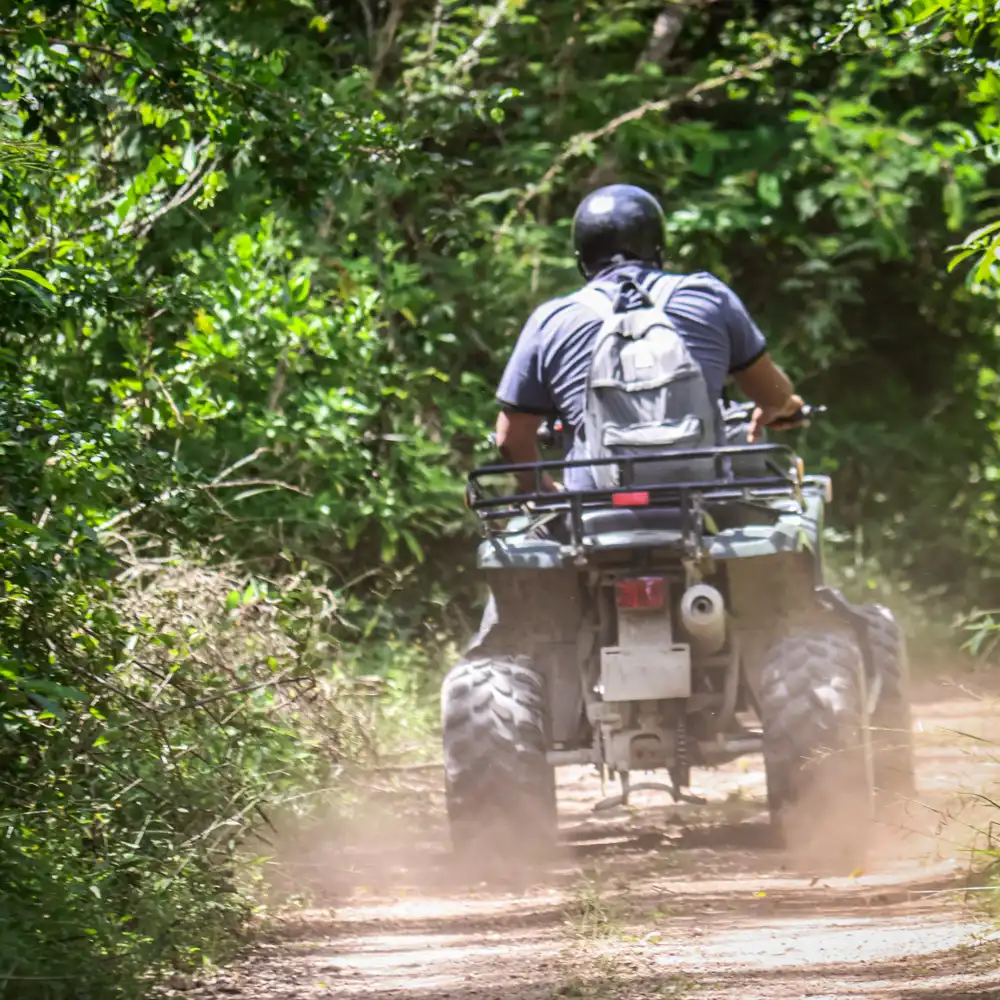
x,y
500,788
891,720
816,750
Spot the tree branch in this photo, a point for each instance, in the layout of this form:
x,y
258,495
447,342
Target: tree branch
x,y
577,145
384,39
277,483
436,22
471,55
124,515
170,399
89,46
246,460
218,481
243,689
194,183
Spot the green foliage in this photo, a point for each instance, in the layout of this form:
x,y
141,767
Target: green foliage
x,y
125,798
260,269
963,37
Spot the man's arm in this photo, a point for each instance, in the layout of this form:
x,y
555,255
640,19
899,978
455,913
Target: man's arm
x,y
753,370
771,389
517,442
525,401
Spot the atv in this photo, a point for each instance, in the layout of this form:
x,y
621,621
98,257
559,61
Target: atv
x,y
667,627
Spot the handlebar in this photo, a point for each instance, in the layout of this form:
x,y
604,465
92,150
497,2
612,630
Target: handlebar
x,y
801,418
550,433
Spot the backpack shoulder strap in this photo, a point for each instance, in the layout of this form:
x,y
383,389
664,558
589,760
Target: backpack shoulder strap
x,y
657,295
664,288
595,299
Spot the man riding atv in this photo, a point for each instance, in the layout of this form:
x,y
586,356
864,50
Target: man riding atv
x,y
618,236
666,606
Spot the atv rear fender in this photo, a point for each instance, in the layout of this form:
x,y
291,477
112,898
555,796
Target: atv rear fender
x,y
794,532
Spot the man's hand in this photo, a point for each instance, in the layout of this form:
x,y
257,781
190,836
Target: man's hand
x,y
771,389
774,416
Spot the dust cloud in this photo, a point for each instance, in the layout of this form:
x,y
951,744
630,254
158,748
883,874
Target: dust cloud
x,y
658,899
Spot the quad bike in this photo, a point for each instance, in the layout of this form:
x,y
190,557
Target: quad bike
x,y
664,627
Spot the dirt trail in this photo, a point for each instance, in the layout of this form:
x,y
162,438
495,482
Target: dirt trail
x,y
656,901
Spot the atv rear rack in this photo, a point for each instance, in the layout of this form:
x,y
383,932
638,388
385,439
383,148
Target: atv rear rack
x,y
688,498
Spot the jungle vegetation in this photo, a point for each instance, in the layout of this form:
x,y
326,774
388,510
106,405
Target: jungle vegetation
x,y
261,264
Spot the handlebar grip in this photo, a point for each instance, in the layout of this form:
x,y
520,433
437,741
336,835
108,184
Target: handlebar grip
x,y
800,418
807,412
550,433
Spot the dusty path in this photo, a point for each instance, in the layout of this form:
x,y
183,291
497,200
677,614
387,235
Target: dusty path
x,y
658,901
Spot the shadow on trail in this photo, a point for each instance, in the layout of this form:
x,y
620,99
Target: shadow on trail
x,y
757,836
722,908
713,866
871,984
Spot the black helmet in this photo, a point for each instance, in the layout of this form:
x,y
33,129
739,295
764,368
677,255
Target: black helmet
x,y
618,222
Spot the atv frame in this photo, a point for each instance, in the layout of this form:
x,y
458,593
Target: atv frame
x,y
661,627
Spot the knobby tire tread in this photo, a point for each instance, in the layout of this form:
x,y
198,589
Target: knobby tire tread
x,y
500,789
813,717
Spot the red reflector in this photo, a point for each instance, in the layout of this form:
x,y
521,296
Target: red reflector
x,y
641,592
630,499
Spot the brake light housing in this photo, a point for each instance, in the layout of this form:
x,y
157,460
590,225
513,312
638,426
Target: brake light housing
x,y
641,593
637,498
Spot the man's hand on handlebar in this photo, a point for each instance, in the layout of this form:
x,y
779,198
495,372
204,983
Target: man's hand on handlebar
x,y
787,417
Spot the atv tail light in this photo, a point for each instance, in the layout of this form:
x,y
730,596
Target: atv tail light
x,y
630,499
641,592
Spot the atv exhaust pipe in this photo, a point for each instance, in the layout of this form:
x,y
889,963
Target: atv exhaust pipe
x,y
703,615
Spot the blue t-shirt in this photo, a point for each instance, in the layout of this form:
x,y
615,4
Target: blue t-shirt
x,y
547,373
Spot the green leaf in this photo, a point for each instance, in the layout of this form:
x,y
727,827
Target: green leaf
x,y
40,685
412,544
243,247
769,190
807,98
954,205
35,277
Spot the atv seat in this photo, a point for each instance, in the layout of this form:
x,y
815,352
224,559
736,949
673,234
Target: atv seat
x,y
726,515
600,522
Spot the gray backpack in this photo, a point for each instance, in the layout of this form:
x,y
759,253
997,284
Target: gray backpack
x,y
645,393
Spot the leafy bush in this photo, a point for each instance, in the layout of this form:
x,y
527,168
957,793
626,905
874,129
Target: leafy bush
x,y
130,782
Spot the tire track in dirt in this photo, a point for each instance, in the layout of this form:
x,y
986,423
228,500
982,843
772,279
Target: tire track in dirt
x,y
660,900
